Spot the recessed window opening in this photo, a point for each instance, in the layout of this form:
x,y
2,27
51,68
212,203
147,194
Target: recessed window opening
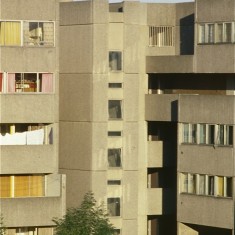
x,y
114,157
115,60
113,205
114,133
115,109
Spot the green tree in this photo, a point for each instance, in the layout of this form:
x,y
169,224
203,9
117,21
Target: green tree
x,y
2,227
88,219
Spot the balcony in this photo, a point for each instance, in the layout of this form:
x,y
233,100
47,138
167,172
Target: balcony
x,y
161,107
160,201
40,210
20,108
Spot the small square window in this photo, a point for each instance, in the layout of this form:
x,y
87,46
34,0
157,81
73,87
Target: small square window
x,y
113,206
115,60
114,157
115,109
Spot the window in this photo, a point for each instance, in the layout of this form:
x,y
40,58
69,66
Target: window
x,y
22,186
224,135
115,85
10,33
114,133
202,139
115,60
221,32
210,185
29,82
189,133
117,232
115,109
38,33
1,82
113,206
114,182
114,157
161,36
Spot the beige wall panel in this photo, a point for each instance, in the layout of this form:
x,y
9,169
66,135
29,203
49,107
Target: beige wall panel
x,y
100,12
100,56
36,159
100,98
161,14
24,108
73,40
205,108
215,58
130,227
213,212
130,146
75,97
75,145
116,36
131,57
212,10
184,10
130,195
185,230
23,59
134,12
78,183
76,13
39,9
99,146
131,95
212,160
160,51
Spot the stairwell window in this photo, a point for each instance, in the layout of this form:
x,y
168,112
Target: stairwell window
x,y
115,60
115,109
38,33
114,157
10,33
161,36
113,205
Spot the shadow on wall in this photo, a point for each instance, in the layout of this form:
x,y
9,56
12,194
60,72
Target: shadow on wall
x,y
187,35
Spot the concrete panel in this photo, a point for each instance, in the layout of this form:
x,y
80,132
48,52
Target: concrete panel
x,y
115,17
116,36
73,13
215,58
186,230
212,10
161,14
130,195
161,107
130,146
78,183
75,145
99,146
202,109
40,211
131,55
160,51
155,154
23,59
192,158
130,227
169,64
131,97
73,40
208,211
75,97
100,48
28,108
134,12
39,9
100,12
36,159
99,98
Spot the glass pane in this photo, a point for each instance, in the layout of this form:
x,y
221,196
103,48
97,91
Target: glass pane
x,y
115,60
115,110
114,206
26,82
184,180
114,157
21,186
194,133
202,184
219,33
211,32
221,134
202,139
191,183
229,187
201,33
211,185
227,32
185,133
211,133
220,186
5,186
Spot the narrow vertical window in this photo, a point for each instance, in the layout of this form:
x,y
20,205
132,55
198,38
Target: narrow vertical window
x,y
202,138
210,33
115,109
185,133
227,32
202,184
202,33
113,206
115,60
211,134
114,157
211,185
219,32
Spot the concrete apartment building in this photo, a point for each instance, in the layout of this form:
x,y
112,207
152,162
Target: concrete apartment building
x,y
32,191
147,113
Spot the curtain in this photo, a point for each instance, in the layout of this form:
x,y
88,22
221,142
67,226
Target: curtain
x,y
10,33
220,186
11,82
21,186
5,186
47,82
36,185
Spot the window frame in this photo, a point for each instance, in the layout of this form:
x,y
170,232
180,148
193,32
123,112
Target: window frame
x,y
119,60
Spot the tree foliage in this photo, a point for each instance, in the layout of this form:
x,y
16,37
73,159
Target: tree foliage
x,y
88,219
2,227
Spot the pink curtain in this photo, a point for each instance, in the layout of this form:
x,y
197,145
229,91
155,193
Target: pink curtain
x,y
1,82
11,82
47,82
